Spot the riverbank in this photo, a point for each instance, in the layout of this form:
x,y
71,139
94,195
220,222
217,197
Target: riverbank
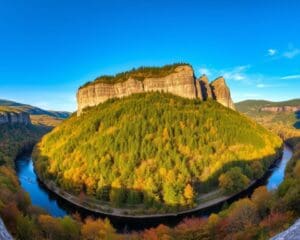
x,y
125,213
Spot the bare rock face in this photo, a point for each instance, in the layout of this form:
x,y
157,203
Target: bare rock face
x,y
181,82
281,109
14,118
221,92
293,233
94,94
205,87
4,234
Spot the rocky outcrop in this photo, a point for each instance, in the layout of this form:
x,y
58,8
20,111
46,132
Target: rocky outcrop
x,y
205,87
221,92
181,82
14,117
4,234
293,233
281,109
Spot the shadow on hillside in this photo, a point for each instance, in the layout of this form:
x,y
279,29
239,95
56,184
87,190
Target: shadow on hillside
x,y
293,142
297,123
247,167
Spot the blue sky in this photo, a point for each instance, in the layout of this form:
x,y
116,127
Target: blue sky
x,y
49,48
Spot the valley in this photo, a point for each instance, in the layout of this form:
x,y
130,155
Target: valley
x,y
198,140
55,203
208,198
149,120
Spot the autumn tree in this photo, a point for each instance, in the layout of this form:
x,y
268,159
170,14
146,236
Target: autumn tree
x,y
10,214
70,227
189,193
262,199
233,181
97,229
242,214
51,227
161,232
276,222
26,228
23,200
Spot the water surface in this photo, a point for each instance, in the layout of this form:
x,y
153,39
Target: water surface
x,y
278,173
39,195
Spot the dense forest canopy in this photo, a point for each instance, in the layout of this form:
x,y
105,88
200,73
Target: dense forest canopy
x,y
154,149
137,73
15,137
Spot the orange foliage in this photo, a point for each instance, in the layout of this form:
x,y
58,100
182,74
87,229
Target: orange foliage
x,y
276,222
161,232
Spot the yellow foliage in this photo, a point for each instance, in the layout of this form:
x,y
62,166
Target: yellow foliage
x,y
188,192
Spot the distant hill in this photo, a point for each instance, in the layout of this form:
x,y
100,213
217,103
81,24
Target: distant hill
x,y
282,118
33,110
252,106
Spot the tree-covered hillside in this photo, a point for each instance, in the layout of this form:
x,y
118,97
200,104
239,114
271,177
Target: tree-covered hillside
x,y
154,148
32,110
15,137
285,124
255,105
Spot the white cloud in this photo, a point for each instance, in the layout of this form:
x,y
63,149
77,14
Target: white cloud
x,y
272,52
297,76
205,71
261,85
291,53
236,74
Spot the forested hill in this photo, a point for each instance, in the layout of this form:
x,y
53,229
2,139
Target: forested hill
x,y
155,149
252,106
33,110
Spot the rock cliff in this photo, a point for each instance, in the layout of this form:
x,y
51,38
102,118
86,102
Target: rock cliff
x,y
205,87
14,117
221,92
181,82
292,233
4,234
281,109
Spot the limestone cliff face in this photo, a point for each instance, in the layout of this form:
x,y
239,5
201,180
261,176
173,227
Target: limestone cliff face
x,y
14,117
281,109
221,92
181,82
205,87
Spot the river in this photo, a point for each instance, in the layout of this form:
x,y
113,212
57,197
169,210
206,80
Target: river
x,y
57,207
